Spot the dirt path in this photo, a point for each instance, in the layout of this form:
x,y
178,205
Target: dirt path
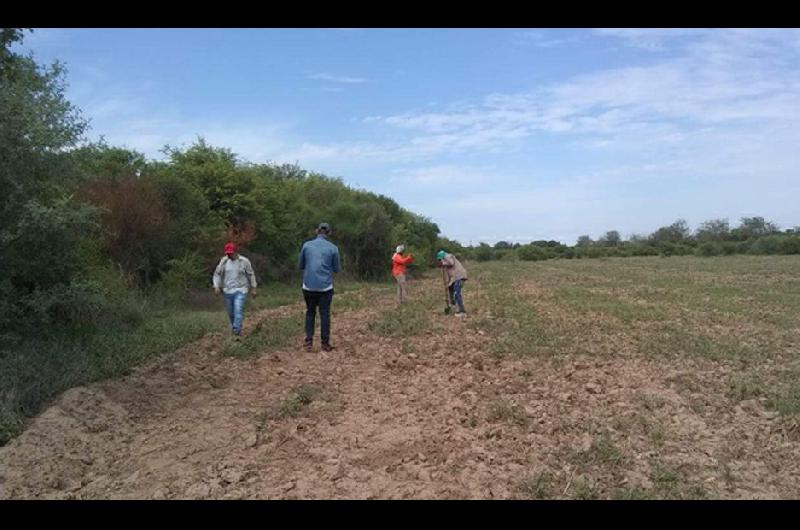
x,y
418,418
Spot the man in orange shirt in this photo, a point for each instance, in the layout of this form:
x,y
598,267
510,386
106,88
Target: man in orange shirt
x,y
399,271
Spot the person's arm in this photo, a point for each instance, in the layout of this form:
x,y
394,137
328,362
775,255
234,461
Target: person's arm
x,y
448,262
217,278
335,264
409,259
251,276
302,260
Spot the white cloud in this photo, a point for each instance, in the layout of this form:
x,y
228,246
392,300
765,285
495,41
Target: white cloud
x,y
718,82
338,78
651,39
547,39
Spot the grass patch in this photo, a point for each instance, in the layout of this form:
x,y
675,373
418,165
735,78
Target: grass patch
x,y
537,487
269,334
670,483
603,452
583,490
409,319
787,399
594,300
672,341
780,388
10,426
745,386
501,410
296,404
512,319
664,478
632,494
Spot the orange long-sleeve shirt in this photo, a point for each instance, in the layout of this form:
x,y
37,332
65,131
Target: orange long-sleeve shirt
x,y
400,263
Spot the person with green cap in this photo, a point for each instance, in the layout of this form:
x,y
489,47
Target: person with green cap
x,y
455,276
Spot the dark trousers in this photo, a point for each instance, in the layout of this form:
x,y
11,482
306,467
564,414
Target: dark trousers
x,y
322,300
455,295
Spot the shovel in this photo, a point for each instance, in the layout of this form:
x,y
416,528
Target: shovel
x,y
446,293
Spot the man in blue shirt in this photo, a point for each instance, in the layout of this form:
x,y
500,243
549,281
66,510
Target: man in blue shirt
x,y
319,260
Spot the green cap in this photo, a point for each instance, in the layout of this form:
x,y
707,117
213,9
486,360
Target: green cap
x,y
441,254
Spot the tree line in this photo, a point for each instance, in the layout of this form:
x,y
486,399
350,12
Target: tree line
x,y
87,229
753,235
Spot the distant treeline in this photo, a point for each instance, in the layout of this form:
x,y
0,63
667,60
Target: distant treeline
x,y
753,235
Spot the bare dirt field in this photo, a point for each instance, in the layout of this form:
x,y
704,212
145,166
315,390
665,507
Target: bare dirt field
x,y
620,378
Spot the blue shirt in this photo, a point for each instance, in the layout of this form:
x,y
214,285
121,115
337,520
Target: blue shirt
x,y
319,259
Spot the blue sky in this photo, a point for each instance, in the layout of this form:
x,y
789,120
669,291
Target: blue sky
x,y
502,134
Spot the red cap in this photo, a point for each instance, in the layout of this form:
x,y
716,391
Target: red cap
x,y
230,248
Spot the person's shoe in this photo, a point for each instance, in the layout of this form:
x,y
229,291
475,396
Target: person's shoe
x,y
308,344
461,313
327,347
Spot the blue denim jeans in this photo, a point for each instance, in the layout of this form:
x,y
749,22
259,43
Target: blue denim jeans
x,y
321,300
455,295
234,305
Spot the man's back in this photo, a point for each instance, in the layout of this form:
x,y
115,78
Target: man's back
x,y
319,259
456,270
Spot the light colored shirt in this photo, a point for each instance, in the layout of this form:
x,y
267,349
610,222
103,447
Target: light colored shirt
x,y
454,269
234,275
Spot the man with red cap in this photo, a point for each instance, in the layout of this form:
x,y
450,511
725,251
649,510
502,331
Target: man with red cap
x,y
235,277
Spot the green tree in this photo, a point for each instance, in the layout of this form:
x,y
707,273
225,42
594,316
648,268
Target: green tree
x,y
610,239
753,227
713,230
41,225
675,233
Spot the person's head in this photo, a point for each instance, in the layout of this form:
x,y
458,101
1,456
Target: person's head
x,y
230,249
324,229
441,255
400,249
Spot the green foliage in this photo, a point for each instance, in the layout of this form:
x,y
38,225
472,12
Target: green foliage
x,y
708,249
713,230
674,233
532,253
790,245
484,253
753,227
41,226
610,239
770,244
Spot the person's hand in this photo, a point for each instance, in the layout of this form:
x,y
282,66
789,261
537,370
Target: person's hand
x,y
255,293
216,290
